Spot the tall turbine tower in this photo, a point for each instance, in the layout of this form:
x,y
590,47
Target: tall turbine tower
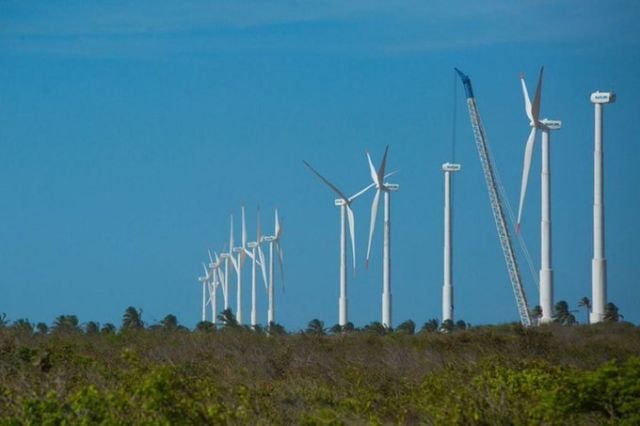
x,y
274,245
545,125
599,262
386,188
344,203
447,287
257,259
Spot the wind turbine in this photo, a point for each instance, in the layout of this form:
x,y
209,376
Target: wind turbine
x,y
257,259
238,263
344,203
447,287
386,188
545,125
205,282
599,262
274,245
216,281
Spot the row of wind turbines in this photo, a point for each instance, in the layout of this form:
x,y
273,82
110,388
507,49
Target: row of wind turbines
x,y
218,277
217,272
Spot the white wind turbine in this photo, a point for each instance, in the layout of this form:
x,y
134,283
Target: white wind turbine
x,y
216,281
274,245
344,203
386,188
545,125
205,283
257,259
238,263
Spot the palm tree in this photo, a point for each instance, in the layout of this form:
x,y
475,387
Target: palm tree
x,y
42,328
205,327
276,329
611,313
563,315
536,314
316,326
92,328
430,326
407,327
170,322
585,303
376,328
447,326
228,319
66,324
132,319
23,326
3,320
108,328
460,325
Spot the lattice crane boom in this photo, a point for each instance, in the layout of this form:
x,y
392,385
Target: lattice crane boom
x,y
496,203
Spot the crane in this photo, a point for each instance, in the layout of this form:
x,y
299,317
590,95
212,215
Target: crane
x,y
496,203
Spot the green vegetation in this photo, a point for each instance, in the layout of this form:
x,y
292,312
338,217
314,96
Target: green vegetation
x,y
74,373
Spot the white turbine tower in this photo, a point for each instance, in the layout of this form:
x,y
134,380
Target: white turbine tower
x,y
344,203
238,263
545,125
274,245
216,281
205,283
447,287
386,188
257,259
599,262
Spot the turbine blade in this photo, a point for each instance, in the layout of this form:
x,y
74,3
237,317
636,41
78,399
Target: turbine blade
x,y
359,193
372,170
527,101
206,272
248,253
244,229
372,226
278,229
535,108
210,257
234,262
326,181
528,155
258,227
383,165
280,262
231,237
263,267
352,234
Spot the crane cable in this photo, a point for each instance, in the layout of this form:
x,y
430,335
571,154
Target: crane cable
x,y
520,238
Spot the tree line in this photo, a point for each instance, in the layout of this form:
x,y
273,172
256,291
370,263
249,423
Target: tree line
x,y
132,320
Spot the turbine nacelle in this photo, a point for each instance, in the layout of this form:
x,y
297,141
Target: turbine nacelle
x,y
603,97
391,186
551,124
451,167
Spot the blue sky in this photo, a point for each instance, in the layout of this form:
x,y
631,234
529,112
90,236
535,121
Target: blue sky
x,y
129,133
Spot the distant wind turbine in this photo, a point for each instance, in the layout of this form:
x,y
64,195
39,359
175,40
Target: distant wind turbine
x,y
386,188
257,259
274,245
344,203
